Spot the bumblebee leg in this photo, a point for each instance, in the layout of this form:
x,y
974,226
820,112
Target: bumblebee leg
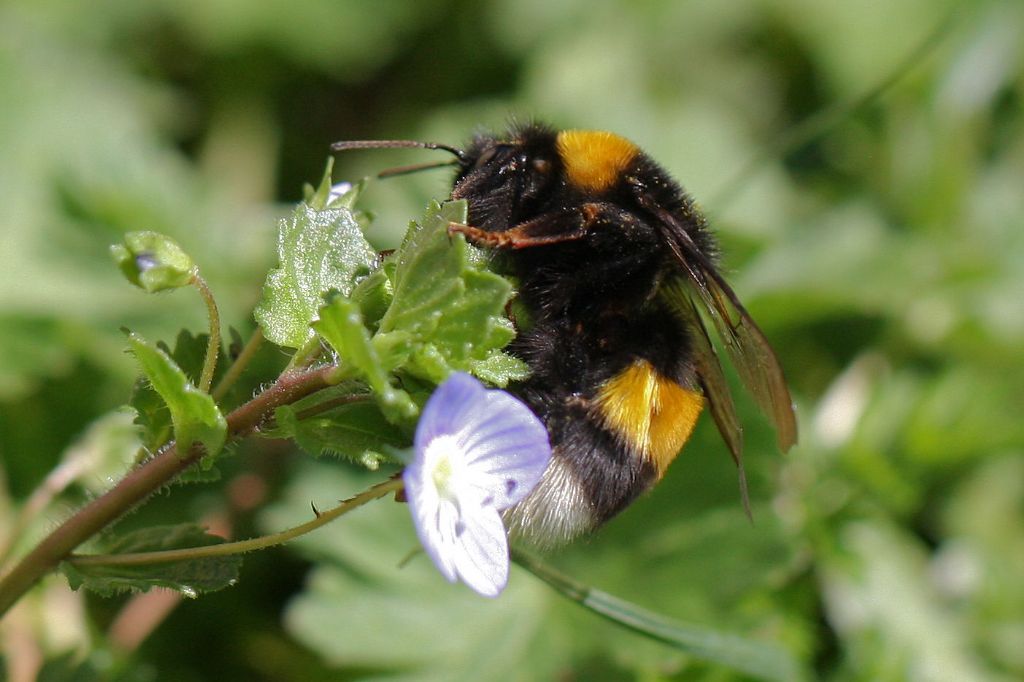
x,y
550,228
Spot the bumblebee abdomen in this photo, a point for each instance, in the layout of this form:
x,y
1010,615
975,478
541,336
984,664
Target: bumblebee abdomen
x,y
611,442
592,475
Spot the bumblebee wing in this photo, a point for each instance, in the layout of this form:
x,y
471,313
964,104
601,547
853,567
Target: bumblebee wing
x,y
748,349
712,379
708,368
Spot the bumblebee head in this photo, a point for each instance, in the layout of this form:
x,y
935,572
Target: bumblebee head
x,y
538,168
502,178
531,170
507,179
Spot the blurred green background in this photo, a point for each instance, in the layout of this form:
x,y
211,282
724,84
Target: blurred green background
x,y
884,258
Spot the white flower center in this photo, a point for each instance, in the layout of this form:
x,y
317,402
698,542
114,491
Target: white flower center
x,y
443,458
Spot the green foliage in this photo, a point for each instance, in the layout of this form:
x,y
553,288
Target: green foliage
x,y
446,313
452,311
341,325
151,411
191,577
194,414
427,310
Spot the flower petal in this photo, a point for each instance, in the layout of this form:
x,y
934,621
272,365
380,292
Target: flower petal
x,y
481,556
507,450
433,518
449,408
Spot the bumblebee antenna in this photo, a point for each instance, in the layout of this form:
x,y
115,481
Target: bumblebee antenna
x,y
406,170
345,145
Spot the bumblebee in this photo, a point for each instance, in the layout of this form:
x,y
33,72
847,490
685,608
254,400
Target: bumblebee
x,y
617,273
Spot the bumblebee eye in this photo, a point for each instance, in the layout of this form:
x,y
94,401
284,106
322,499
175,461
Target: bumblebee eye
x,y
542,166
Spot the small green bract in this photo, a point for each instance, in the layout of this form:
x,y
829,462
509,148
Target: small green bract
x,y
153,261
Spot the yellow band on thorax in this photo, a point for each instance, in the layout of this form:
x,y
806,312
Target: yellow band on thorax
x,y
649,411
594,159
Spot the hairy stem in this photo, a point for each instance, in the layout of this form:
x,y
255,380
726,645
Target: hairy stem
x,y
146,479
242,546
213,346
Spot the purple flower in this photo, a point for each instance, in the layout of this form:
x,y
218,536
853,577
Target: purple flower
x,y
477,452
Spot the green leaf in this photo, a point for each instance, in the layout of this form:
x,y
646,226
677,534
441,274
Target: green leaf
x,y
153,261
452,310
319,250
500,368
332,195
341,325
153,416
763,660
194,414
103,452
357,431
188,576
374,294
393,348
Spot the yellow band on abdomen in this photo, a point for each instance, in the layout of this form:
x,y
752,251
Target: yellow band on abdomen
x,y
651,412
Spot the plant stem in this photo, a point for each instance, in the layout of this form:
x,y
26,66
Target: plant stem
x,y
143,481
242,546
305,355
213,346
761,659
239,365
